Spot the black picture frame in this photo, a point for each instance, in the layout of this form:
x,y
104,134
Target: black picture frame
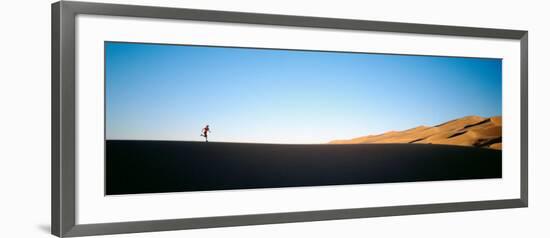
x,y
63,198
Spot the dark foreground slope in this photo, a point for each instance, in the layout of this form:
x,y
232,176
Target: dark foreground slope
x,y
170,166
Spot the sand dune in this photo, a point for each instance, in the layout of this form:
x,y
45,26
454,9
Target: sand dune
x,y
467,131
134,167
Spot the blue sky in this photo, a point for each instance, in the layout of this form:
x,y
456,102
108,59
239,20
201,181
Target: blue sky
x,y
169,92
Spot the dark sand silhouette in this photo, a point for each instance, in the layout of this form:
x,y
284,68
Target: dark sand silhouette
x,y
173,166
467,131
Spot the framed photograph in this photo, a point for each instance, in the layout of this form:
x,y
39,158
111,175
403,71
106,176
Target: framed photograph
x,y
167,119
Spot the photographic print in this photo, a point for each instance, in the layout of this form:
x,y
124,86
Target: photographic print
x,y
182,118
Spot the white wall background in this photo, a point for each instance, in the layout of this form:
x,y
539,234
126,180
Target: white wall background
x,y
25,118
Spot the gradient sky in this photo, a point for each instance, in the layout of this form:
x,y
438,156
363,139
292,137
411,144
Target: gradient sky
x,y
169,92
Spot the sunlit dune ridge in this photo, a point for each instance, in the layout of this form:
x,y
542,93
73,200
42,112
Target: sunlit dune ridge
x,y
467,131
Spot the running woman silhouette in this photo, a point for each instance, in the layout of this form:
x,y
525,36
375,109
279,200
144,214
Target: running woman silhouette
x,y
205,132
